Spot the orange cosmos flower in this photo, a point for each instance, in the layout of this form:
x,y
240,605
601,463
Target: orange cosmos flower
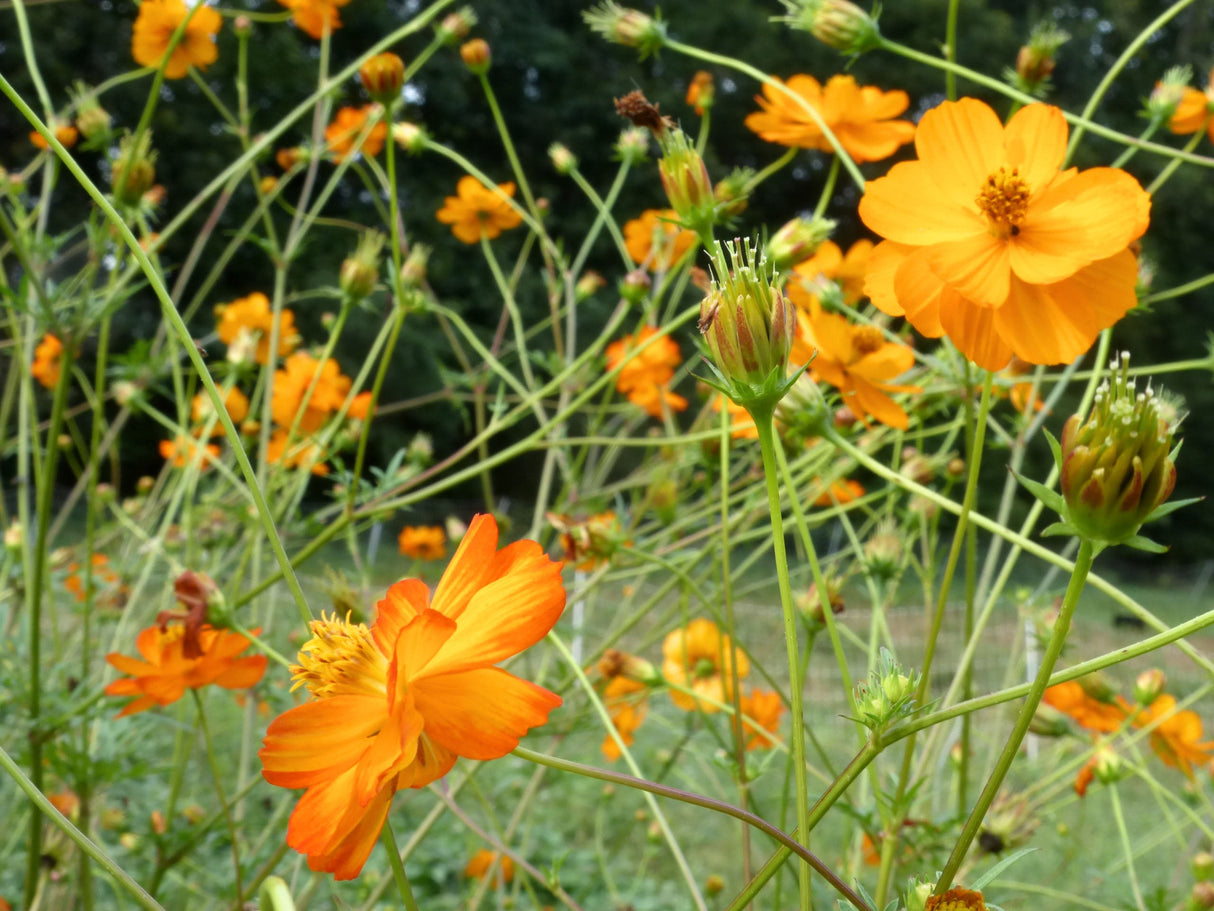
x,y
165,673
1177,738
700,92
655,241
47,360
1070,699
987,241
236,403
314,16
291,385
765,708
956,900
245,326
829,264
700,658
64,132
858,360
741,424
1195,111
180,452
395,703
350,125
648,367
296,453
103,575
482,860
477,211
627,711
154,27
839,492
427,542
859,116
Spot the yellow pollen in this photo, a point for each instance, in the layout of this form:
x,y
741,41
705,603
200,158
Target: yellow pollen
x,y
341,658
1004,200
866,340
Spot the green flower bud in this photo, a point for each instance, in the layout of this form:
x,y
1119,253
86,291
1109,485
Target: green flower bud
x,y
836,23
133,172
626,26
749,327
686,181
798,240
360,271
887,695
1116,462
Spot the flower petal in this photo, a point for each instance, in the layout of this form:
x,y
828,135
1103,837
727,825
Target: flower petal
x,y
403,601
468,570
921,293
960,144
976,268
1054,324
314,742
906,206
972,329
333,830
481,714
1035,139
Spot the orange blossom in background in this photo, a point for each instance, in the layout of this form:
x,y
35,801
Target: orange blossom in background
x,y
478,211
859,116
155,25
700,658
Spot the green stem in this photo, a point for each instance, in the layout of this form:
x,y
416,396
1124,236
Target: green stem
x,y
44,808
828,188
218,775
398,868
788,844
765,425
1083,565
1127,846
950,49
1114,71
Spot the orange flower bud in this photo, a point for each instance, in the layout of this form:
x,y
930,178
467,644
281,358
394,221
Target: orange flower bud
x,y
476,55
383,76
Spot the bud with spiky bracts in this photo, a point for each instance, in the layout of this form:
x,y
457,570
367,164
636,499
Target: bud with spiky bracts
x,y
686,181
749,326
1116,466
798,240
1167,94
836,23
887,695
626,26
92,119
1035,61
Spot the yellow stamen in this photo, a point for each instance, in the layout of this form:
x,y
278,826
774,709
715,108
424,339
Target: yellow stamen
x,y
1004,200
340,659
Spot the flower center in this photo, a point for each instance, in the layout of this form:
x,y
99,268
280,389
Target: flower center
x,y
1004,200
704,668
866,340
340,659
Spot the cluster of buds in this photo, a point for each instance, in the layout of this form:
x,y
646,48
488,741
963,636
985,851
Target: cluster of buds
x,y
836,23
749,326
887,695
626,26
1035,61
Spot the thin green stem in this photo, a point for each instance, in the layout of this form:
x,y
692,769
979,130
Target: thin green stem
x,y
218,775
765,425
398,868
1127,846
1083,565
950,50
828,188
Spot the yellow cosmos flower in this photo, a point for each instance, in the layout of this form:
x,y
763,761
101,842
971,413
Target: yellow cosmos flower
x,y
154,28
989,242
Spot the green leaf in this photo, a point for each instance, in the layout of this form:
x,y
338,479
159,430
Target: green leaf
x,y
1138,542
1055,447
1058,528
1050,498
1171,506
989,876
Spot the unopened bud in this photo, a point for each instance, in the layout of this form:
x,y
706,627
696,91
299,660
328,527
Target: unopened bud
x,y
360,271
798,240
410,137
456,26
686,181
626,26
1202,866
1201,898
588,285
476,55
134,170
634,287
413,269
562,159
383,76
1149,685
836,23
633,146
242,25
701,92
